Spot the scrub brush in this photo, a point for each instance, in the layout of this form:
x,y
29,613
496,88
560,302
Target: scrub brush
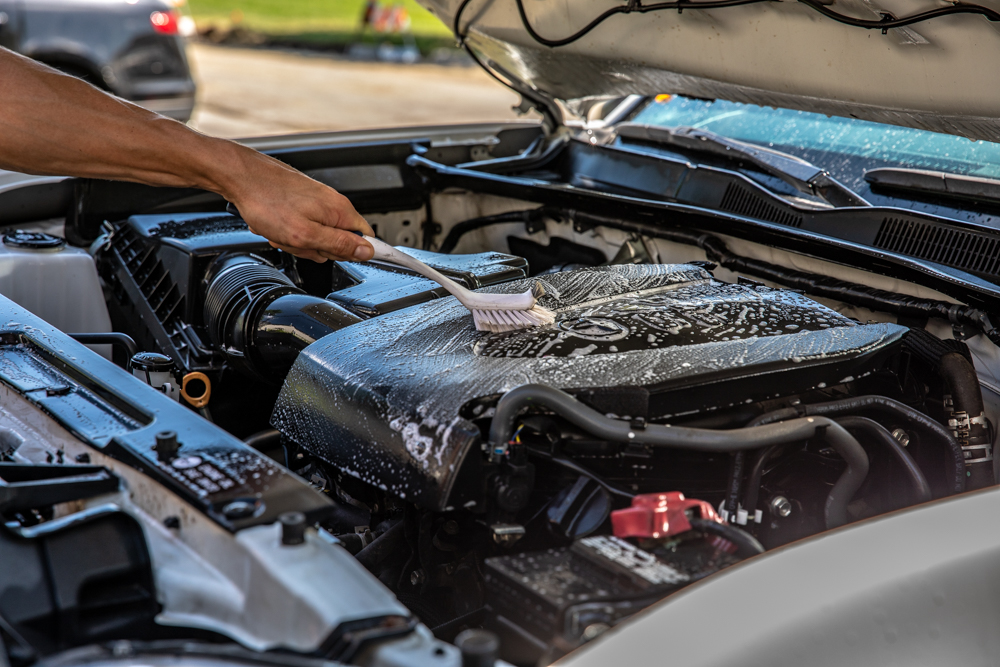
x,y
490,312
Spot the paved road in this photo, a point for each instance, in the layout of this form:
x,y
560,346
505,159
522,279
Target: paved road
x,y
252,92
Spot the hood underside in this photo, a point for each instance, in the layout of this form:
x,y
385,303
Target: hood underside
x,y
928,75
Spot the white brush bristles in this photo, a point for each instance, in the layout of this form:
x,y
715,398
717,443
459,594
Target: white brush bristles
x,y
490,312
511,320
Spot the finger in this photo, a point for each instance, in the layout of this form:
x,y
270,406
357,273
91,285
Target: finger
x,y
345,216
357,223
336,244
317,257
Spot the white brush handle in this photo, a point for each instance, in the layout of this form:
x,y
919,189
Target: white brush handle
x,y
471,300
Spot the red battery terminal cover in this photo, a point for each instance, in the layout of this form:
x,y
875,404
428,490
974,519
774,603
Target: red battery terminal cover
x,y
657,515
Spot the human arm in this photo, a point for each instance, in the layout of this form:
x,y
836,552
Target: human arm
x,y
55,124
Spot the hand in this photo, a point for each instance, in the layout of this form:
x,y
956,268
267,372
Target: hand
x,y
56,124
296,213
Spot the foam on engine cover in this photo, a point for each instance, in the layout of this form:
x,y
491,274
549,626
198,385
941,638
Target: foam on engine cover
x,y
383,400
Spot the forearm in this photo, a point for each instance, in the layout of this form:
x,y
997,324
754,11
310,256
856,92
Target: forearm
x,y
56,124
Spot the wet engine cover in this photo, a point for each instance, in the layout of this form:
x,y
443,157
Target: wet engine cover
x,y
390,400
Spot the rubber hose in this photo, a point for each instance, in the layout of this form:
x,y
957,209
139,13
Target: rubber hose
x,y
704,440
845,407
264,440
260,319
963,383
966,395
914,418
756,475
921,489
580,470
381,547
455,233
124,341
745,543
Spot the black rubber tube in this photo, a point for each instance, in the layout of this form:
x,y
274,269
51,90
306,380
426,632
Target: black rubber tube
x,y
852,406
262,440
913,418
381,547
963,383
278,329
745,543
455,233
111,338
918,483
704,440
756,475
967,396
580,470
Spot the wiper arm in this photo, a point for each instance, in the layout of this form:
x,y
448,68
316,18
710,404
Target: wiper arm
x,y
940,183
801,175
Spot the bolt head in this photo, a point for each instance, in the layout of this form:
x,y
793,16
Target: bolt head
x,y
901,436
417,577
781,506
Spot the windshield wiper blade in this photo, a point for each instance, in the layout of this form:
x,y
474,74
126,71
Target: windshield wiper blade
x,y
800,174
940,183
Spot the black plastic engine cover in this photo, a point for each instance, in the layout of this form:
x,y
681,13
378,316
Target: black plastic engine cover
x,y
390,400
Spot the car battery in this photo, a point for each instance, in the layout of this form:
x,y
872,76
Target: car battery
x,y
557,599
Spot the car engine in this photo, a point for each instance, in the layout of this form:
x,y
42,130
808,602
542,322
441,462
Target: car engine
x,y
393,413
681,416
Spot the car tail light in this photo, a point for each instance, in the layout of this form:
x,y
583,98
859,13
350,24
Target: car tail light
x,y
164,22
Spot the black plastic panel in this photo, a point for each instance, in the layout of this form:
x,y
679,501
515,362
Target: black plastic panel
x,y
115,412
670,192
383,288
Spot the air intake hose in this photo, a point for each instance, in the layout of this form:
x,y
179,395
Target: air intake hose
x,y
260,319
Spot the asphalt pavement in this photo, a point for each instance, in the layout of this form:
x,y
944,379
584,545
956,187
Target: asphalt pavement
x,y
244,92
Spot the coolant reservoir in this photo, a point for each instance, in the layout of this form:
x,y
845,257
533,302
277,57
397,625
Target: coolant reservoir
x,y
54,281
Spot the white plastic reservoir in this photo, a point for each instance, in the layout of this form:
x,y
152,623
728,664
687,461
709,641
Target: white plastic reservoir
x,y
56,282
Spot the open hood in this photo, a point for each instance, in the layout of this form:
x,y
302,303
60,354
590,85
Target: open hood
x,y
837,57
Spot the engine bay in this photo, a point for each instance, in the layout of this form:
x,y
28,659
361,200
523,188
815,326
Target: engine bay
x,y
691,408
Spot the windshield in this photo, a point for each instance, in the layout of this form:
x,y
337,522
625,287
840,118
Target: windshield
x,y
846,147
849,137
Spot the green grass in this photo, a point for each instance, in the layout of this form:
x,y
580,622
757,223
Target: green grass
x,y
309,20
